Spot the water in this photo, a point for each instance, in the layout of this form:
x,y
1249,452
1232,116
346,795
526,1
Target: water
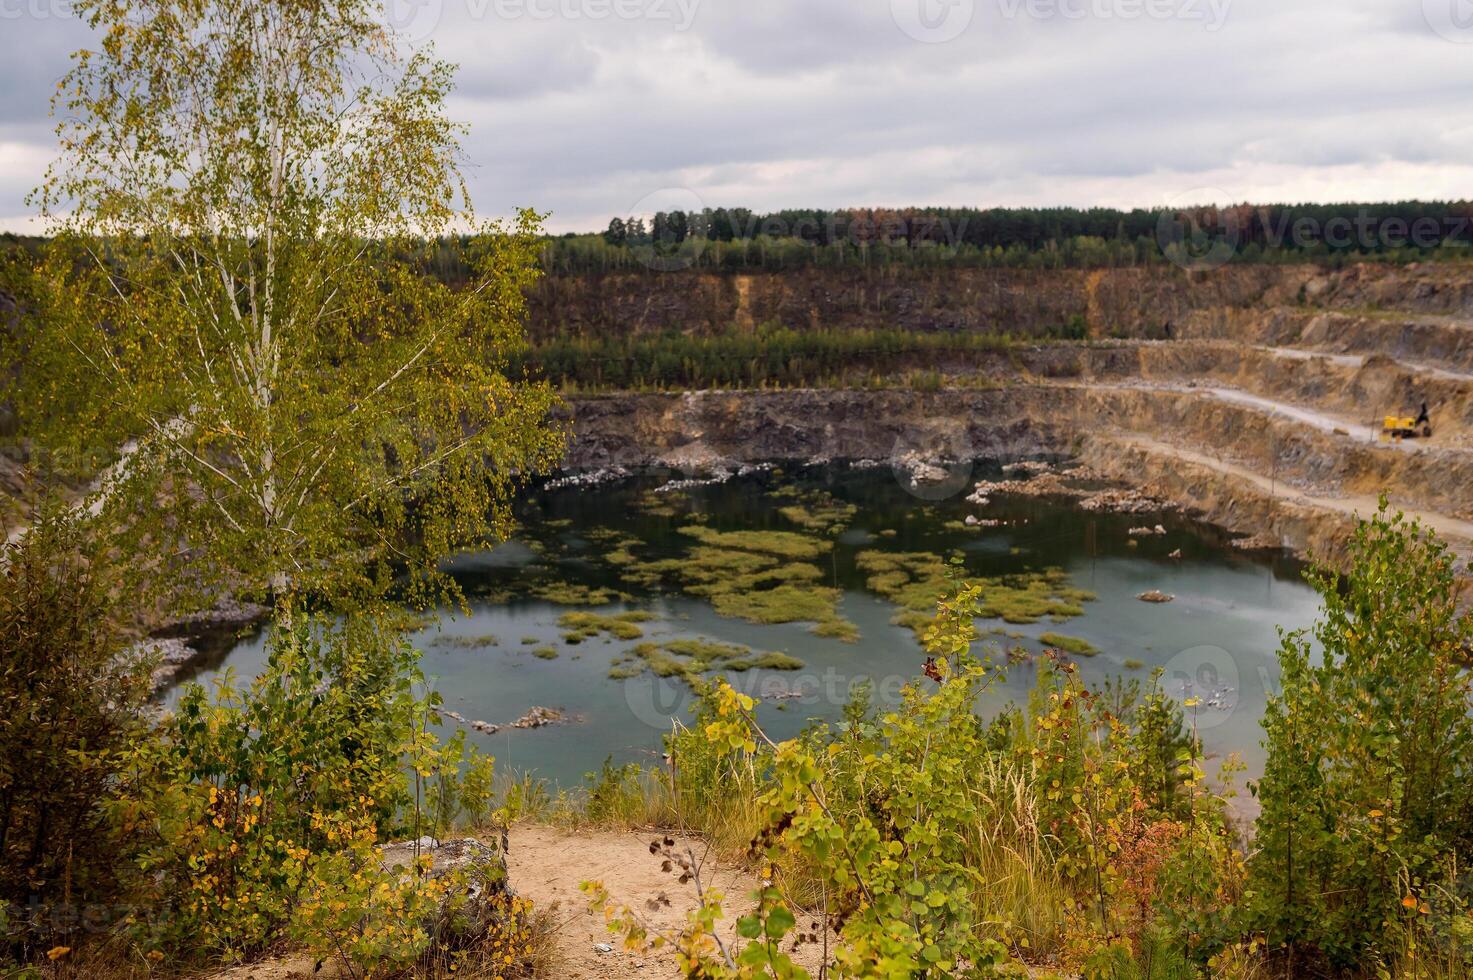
x,y
1216,641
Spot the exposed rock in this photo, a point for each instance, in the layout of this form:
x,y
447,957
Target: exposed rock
x,y
920,469
168,655
227,611
480,870
1028,467
1155,596
589,478
1262,541
1123,502
538,717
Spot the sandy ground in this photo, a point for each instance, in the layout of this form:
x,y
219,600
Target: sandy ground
x,y
548,864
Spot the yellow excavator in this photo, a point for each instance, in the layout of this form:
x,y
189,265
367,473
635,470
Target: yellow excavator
x,y
1407,427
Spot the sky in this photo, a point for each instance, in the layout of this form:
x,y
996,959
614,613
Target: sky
x,y
589,109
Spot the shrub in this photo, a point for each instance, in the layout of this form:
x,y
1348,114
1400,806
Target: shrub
x,y
934,844
1367,801
68,707
261,807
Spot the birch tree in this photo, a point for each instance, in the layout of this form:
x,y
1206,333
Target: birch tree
x,y
238,305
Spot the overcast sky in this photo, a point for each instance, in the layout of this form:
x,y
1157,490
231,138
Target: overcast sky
x,y
591,108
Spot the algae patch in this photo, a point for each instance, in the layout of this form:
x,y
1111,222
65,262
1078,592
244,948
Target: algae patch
x,y
1069,644
760,576
580,626
914,581
689,659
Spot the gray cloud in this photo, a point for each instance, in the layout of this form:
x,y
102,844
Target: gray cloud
x,y
577,108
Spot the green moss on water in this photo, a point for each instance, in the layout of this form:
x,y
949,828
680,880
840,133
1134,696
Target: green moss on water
x,y
817,510
914,581
580,626
465,642
1069,644
688,659
658,504
545,653
572,594
528,641
1133,664
784,544
758,576
838,629
783,604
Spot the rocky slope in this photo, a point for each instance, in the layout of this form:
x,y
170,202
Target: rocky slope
x,y
1135,302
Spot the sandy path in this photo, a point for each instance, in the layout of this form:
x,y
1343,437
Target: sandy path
x,y
547,864
1356,361
1455,531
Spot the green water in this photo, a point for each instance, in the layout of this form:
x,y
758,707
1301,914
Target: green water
x,y
1216,641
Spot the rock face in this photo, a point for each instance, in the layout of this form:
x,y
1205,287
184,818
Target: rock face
x,y
462,854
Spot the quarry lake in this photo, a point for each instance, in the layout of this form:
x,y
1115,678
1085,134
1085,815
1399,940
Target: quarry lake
x,y
799,583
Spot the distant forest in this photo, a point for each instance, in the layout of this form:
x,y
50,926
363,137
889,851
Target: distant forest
x,y
738,239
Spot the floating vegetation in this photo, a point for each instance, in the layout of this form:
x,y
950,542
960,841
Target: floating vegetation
x,y
580,626
838,629
759,576
573,594
545,653
465,642
689,659
1069,644
659,504
817,510
528,641
1027,597
914,581
1133,664
784,544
